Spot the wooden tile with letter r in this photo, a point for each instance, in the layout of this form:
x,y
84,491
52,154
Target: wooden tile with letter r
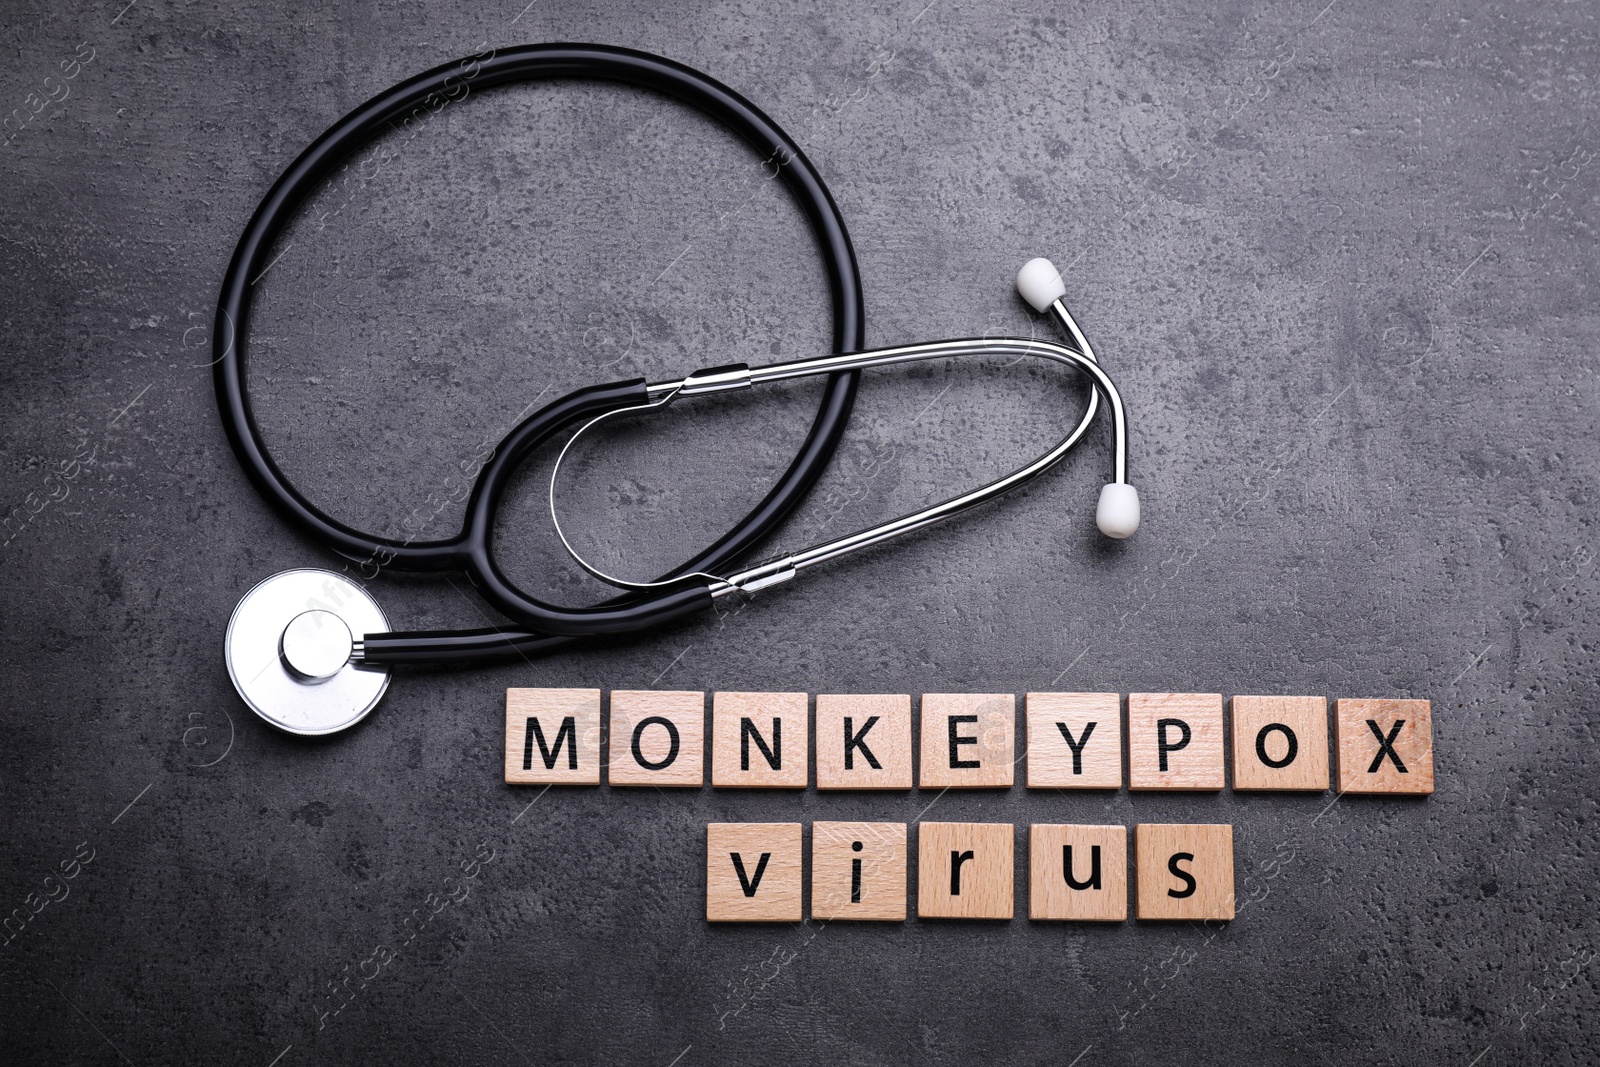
x,y
968,740
863,742
1385,746
553,736
657,738
760,740
1078,872
858,870
1074,740
753,872
964,870
1280,743
1184,871
1175,741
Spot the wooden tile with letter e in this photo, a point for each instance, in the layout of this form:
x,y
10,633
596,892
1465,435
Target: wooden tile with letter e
x,y
1175,741
968,740
753,872
964,870
1185,871
553,736
1074,741
1385,746
760,740
657,738
1078,872
863,742
1280,743
858,870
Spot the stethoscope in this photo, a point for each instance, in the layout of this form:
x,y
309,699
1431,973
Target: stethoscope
x,y
310,651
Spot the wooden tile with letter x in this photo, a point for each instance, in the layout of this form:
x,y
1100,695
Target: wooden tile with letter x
x,y
760,740
1385,746
1074,740
968,740
1078,872
964,870
657,738
858,870
553,736
753,872
863,742
1175,741
1184,871
1280,743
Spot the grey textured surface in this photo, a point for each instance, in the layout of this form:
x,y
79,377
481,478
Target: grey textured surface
x,y
1340,258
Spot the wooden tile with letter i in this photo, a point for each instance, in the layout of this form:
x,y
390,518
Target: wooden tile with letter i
x,y
1078,872
1074,741
657,738
1280,743
858,871
1175,741
1385,746
760,740
553,736
964,870
1184,871
968,740
863,742
753,872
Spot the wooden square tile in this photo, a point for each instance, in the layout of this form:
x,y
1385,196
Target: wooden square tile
x,y
1078,872
1185,871
1175,741
858,870
753,872
553,736
964,870
657,738
863,742
1074,741
760,740
1385,746
1280,743
968,740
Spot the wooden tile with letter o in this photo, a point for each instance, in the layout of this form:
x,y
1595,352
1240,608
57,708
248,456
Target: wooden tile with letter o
x,y
968,740
1385,746
964,870
1078,872
657,738
863,742
1184,871
1280,743
858,871
1074,740
753,872
760,740
1175,741
553,736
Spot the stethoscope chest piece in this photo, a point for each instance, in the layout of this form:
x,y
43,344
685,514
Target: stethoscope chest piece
x,y
290,651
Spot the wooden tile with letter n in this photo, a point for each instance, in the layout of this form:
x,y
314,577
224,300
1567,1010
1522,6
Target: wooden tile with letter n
x,y
1385,746
753,872
760,740
1175,741
657,738
964,870
553,736
1184,871
1280,743
1078,872
968,740
858,870
1074,740
863,742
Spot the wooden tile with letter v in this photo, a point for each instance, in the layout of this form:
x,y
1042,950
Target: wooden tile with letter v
x,y
760,740
1280,743
753,872
964,870
1385,746
1175,741
1074,740
863,742
553,736
968,740
858,871
657,738
1078,872
1184,871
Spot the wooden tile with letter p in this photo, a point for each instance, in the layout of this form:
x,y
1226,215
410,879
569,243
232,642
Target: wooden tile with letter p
x,y
1385,746
964,870
968,740
1280,743
657,738
1078,872
1074,741
760,740
1175,741
1185,871
858,871
553,736
753,872
863,742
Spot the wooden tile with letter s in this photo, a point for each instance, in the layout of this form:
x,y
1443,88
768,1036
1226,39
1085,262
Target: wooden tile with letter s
x,y
1184,871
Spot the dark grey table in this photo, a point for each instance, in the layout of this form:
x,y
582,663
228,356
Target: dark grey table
x,y
1340,258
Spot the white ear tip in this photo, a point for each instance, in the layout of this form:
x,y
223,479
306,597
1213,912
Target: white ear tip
x,y
1118,512
1040,284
